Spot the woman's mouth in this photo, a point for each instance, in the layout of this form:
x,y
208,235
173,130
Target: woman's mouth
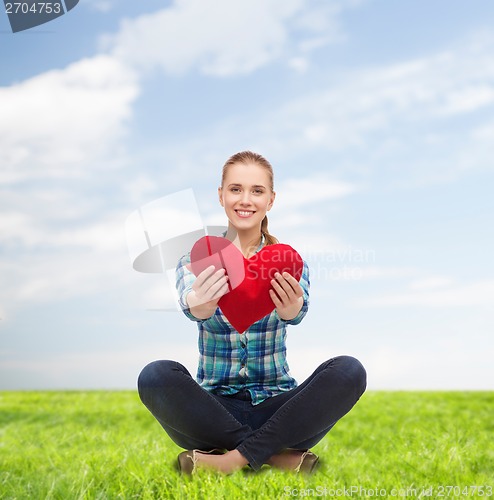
x,y
244,213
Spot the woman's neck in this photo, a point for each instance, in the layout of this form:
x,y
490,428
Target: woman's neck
x,y
246,241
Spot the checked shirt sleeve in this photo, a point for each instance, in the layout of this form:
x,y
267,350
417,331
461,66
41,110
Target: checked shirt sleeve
x,y
184,281
305,284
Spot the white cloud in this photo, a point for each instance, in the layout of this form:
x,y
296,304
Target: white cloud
x,y
373,121
379,116
393,367
220,38
368,111
484,133
48,260
432,282
100,5
434,294
375,272
224,38
41,221
139,188
17,227
62,275
468,99
302,204
57,123
299,64
71,369
310,190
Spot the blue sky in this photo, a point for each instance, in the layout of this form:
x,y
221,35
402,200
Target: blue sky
x,y
377,117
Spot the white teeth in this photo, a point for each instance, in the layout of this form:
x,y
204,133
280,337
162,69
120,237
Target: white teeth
x,y
244,214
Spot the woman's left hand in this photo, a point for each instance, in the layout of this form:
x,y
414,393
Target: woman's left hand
x,y
287,296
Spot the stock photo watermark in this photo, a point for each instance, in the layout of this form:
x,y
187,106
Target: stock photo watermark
x,y
349,263
31,13
440,491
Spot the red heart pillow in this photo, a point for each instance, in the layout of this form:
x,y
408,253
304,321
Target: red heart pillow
x,y
249,279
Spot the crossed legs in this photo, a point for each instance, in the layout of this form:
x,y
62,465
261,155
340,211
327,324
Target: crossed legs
x,y
265,433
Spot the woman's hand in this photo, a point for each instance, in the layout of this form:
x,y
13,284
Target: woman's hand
x,y
287,295
209,286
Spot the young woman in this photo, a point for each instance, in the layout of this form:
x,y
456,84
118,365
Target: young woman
x,y
245,408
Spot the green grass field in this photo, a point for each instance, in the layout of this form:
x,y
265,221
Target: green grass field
x,y
70,445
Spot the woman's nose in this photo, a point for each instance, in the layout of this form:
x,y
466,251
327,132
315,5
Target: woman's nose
x,y
245,198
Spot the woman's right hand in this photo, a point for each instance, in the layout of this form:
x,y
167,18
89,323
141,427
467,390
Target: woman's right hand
x,y
209,286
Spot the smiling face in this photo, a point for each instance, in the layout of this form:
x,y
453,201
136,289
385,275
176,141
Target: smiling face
x,y
246,195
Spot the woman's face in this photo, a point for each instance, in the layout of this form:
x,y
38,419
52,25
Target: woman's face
x,y
246,195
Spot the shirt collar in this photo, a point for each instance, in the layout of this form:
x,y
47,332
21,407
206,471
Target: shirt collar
x,y
261,244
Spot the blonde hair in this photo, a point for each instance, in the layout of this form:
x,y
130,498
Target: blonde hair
x,y
247,157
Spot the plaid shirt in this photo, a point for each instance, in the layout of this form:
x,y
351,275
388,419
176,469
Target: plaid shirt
x,y
254,360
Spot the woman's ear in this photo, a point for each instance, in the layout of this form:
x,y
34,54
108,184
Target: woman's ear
x,y
271,201
220,196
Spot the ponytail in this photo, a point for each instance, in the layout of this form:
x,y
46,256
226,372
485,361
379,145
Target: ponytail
x,y
269,239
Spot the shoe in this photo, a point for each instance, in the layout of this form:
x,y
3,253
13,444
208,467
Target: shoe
x,y
308,462
187,459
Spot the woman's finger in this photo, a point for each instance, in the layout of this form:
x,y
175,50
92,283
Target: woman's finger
x,y
207,278
203,276
282,293
290,285
218,289
294,284
276,300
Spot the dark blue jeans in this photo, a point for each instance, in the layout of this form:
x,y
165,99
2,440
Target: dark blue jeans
x,y
197,419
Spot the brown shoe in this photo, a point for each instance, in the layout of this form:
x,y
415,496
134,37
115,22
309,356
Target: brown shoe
x,y
187,459
308,462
